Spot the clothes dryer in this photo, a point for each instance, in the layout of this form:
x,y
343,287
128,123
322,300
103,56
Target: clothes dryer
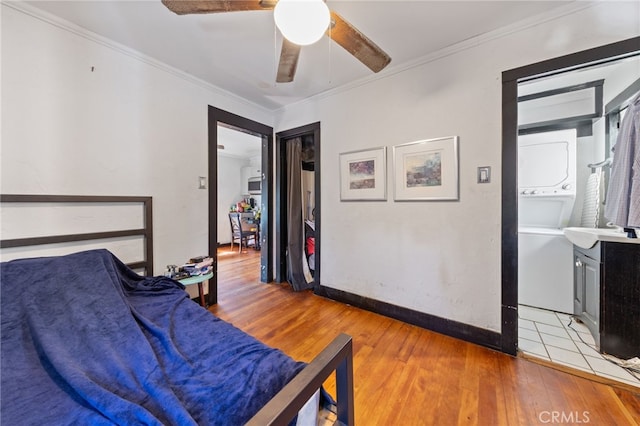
x,y
547,192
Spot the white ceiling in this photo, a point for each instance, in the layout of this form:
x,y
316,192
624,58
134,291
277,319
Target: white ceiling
x,y
238,144
239,51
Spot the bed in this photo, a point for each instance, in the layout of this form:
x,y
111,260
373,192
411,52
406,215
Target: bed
x,y
87,340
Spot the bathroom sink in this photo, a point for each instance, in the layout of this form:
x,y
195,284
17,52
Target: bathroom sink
x,y
588,237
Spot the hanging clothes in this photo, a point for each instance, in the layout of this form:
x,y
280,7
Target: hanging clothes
x,y
623,194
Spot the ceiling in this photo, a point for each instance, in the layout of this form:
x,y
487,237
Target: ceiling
x,y
238,144
239,51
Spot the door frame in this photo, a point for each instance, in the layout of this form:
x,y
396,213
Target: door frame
x,y
218,116
280,248
509,237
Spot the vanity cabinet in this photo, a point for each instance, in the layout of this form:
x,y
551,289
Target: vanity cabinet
x,y
607,295
586,288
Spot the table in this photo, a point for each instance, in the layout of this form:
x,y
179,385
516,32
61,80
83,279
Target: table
x,y
197,279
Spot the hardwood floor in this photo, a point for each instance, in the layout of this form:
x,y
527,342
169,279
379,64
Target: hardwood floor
x,y
406,375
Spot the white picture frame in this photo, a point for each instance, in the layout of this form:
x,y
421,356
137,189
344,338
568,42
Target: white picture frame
x,y
426,170
363,175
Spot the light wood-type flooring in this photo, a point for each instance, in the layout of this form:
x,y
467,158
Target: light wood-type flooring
x,y
406,375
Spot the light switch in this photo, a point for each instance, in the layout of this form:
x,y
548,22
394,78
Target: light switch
x,y
484,174
202,182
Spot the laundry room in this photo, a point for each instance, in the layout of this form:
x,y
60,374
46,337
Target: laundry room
x,y
564,158
568,126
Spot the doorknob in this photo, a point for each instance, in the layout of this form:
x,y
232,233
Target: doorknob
x,y
578,263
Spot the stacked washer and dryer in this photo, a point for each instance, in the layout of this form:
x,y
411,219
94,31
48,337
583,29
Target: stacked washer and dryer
x,y
547,193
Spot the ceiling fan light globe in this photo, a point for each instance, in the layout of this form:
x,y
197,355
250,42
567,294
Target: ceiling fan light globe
x,y
302,22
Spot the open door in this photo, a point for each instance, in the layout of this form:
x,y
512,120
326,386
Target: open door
x,y
309,136
219,117
509,239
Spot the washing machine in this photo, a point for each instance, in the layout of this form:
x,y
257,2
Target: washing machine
x,y
546,184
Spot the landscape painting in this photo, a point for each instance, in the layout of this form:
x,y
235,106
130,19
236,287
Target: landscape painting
x,y
423,169
426,170
362,174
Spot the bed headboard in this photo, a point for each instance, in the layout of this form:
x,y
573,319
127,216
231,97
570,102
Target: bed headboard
x,y
146,231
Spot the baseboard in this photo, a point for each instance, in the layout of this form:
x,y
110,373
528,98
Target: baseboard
x,y
469,333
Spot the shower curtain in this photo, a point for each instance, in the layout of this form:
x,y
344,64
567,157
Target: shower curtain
x,y
298,273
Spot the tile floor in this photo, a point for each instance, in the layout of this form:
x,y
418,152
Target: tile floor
x,y
553,336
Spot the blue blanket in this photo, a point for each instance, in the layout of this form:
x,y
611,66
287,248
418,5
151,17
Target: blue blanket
x,y
85,340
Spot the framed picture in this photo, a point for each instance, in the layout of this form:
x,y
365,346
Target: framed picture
x,y
363,175
426,170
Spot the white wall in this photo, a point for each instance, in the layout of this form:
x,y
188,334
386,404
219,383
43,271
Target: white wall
x,y
230,191
94,118
441,258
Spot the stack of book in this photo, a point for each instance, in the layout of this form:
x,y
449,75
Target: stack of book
x,y
201,265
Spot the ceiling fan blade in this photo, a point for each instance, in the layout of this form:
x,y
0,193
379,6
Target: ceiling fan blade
x,y
288,61
186,7
356,43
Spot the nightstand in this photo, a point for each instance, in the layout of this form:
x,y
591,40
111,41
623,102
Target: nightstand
x,y
197,279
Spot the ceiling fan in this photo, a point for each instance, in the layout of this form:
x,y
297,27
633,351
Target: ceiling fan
x,y
340,31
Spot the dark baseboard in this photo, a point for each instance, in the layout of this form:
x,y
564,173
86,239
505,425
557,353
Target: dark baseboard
x,y
469,333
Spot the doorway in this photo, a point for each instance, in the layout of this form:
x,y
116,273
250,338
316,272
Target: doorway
x,y
310,133
510,82
217,118
239,188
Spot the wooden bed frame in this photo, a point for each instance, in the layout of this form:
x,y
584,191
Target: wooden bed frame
x,y
337,356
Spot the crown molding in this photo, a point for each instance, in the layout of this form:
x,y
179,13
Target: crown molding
x,y
533,21
556,13
125,50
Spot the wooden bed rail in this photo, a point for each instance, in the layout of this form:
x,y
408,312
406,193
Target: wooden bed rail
x,y
338,357
146,231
